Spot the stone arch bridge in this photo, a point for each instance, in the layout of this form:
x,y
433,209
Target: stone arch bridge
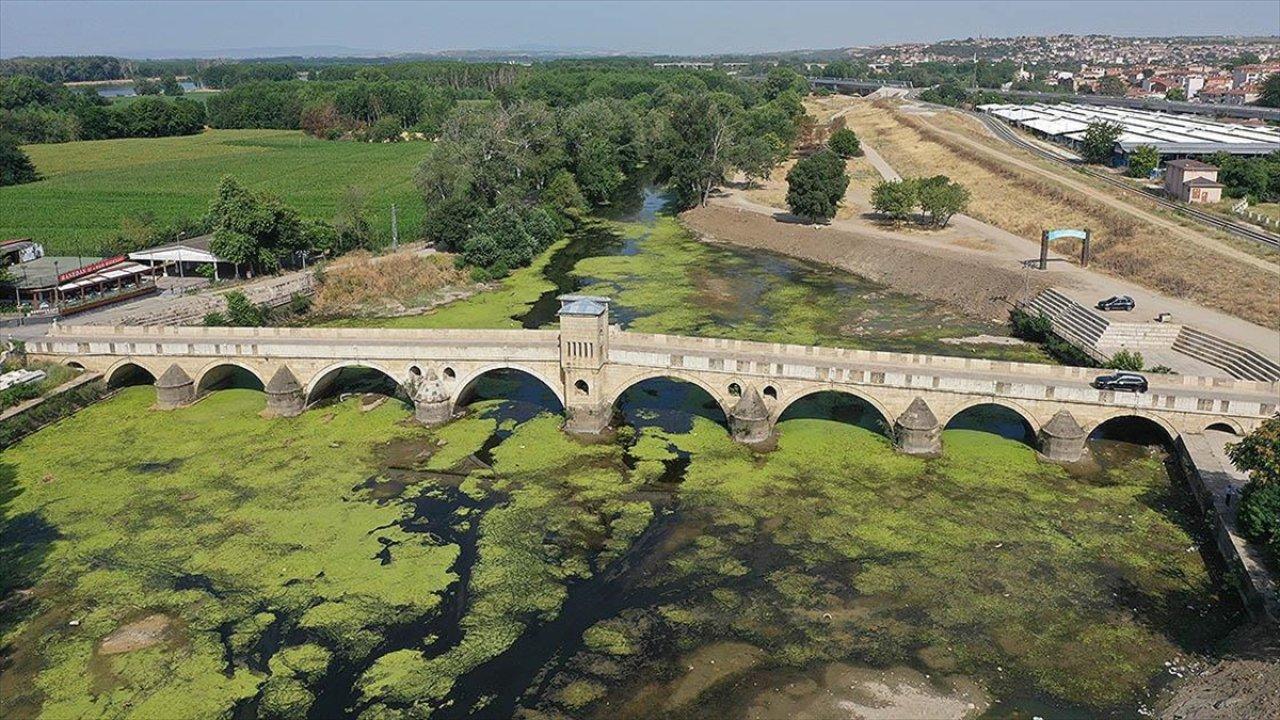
x,y
588,364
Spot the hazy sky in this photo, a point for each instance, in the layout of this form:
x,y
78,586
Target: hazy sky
x,y
168,29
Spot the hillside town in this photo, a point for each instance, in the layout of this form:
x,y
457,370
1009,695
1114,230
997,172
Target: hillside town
x,y
1211,70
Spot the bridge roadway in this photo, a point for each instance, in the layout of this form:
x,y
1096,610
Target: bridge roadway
x,y
589,365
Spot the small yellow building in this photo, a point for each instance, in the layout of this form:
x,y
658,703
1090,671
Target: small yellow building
x,y
1192,181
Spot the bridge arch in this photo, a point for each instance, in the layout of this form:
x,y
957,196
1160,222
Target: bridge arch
x,y
1150,420
460,389
323,378
1227,425
215,373
1030,425
611,400
886,417
129,372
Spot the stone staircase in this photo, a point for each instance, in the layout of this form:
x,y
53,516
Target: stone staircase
x,y
1071,321
1101,338
1239,361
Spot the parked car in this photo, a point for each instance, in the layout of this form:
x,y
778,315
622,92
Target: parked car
x,y
1125,381
1116,302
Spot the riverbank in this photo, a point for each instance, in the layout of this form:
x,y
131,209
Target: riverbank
x,y
952,276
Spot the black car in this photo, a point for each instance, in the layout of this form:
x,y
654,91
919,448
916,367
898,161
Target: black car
x,y
1126,381
1116,302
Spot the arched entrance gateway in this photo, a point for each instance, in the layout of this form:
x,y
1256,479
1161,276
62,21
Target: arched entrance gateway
x,y
593,370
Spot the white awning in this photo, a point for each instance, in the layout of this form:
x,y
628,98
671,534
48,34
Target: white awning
x,y
106,275
174,253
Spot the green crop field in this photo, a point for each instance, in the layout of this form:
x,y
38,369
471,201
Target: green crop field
x,y
89,186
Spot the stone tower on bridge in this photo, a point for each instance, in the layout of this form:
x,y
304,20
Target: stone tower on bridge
x,y
584,349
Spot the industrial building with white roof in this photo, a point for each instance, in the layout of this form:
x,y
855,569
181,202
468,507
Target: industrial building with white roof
x,y
1170,135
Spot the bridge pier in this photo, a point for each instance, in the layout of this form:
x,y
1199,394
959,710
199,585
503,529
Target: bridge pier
x,y
917,431
749,420
431,404
587,419
285,397
1062,439
174,388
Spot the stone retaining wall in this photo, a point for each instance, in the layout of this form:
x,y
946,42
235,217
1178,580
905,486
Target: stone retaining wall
x,y
1212,484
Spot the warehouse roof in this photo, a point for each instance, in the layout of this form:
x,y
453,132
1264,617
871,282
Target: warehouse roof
x,y
1169,133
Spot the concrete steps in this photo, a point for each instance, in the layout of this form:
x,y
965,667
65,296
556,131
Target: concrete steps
x,y
1071,321
1139,336
1240,362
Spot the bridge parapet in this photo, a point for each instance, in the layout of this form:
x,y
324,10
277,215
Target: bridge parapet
x,y
719,349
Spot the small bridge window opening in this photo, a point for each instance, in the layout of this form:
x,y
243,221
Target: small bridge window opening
x,y
582,387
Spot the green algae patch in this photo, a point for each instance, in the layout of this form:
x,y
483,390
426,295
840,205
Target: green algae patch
x,y
1024,573
833,548
676,284
258,523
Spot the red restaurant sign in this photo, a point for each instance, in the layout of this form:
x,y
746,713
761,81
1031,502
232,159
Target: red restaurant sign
x,y
90,269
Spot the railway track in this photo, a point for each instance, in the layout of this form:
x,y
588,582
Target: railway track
x,y
1009,135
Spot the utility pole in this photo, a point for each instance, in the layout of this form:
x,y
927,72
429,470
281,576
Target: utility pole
x,y
395,229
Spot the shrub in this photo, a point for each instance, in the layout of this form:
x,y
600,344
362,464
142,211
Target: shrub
x,y
845,143
895,199
1126,360
816,184
1260,517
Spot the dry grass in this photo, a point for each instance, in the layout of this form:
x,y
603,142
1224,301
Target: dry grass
x,y
363,284
1024,204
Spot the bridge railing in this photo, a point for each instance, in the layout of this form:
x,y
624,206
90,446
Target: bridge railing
x,y
201,333
781,352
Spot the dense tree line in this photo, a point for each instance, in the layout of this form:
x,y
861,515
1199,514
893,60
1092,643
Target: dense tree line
x,y
509,175
231,74
65,69
1257,178
33,111
1258,454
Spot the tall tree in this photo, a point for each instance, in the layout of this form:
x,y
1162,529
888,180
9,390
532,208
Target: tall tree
x,y
253,229
1270,95
15,166
895,199
845,143
816,185
1142,161
941,197
695,146
1099,144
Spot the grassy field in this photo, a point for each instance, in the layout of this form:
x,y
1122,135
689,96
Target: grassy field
x,y
89,186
